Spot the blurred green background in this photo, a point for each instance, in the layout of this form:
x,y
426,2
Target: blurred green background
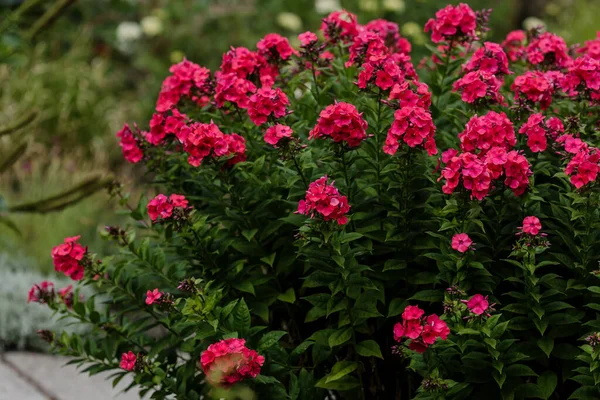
x,y
100,63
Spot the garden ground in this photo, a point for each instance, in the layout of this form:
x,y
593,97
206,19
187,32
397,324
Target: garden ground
x,y
33,376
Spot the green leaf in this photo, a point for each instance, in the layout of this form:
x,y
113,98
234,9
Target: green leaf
x,y
289,296
270,339
519,370
265,380
431,296
546,343
346,383
366,305
369,348
244,286
594,289
294,391
397,306
241,317
249,234
394,265
340,336
302,347
349,237
269,260
341,369
546,383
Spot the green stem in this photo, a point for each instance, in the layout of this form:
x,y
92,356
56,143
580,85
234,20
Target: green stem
x,y
48,18
377,150
24,120
314,75
299,170
347,179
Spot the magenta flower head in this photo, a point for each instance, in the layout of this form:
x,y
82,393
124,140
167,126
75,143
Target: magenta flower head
x,y
461,242
230,361
478,304
152,296
423,331
68,258
531,225
325,200
128,361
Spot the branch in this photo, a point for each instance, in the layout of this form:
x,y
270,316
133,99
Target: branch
x,y
19,123
48,18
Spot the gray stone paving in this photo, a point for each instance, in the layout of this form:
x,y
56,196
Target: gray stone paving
x,y
33,376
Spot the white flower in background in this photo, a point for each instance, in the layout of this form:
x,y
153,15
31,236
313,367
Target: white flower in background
x,y
327,6
533,22
289,21
152,25
368,5
394,5
128,32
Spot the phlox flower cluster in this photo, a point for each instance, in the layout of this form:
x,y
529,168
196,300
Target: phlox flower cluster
x,y
66,296
414,126
489,58
423,331
548,49
342,123
411,94
275,48
128,361
385,71
382,54
253,67
129,145
539,131
490,130
274,134
591,48
324,200
536,87
161,207
453,24
340,25
230,361
390,33
365,46
206,140
479,86
42,292
233,89
478,172
69,258
583,78
514,45
266,102
584,164
307,39
163,124
188,80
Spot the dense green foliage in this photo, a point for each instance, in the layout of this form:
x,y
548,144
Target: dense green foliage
x,y
320,300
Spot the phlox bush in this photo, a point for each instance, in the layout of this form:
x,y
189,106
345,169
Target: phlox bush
x,y
332,221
